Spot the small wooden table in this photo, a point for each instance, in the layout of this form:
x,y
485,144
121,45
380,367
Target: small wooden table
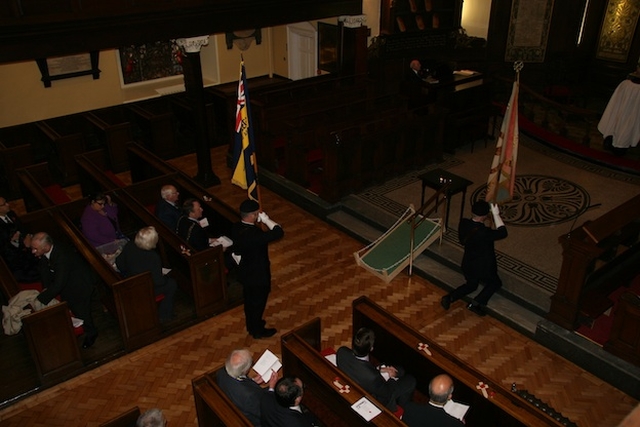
x,y
436,179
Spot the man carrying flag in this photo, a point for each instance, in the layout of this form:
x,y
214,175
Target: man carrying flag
x,y
250,242
244,159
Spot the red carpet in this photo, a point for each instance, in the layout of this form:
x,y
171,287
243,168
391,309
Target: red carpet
x,y
575,148
601,329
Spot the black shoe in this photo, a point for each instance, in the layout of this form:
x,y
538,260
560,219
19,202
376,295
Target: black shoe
x,y
265,333
445,302
477,309
89,341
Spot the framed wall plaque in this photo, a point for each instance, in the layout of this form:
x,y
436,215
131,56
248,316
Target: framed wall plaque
x,y
66,67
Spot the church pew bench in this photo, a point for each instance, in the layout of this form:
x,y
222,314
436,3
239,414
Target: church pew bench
x,y
95,176
145,163
66,135
213,407
113,130
38,188
398,343
200,274
131,300
186,120
156,123
13,157
301,357
50,335
125,419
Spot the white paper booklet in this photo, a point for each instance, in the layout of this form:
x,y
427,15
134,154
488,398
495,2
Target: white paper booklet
x,y
204,222
268,362
456,409
366,409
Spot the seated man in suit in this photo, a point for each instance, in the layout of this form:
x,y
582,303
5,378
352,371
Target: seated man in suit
x,y
388,384
167,208
433,413
189,227
64,272
246,393
283,407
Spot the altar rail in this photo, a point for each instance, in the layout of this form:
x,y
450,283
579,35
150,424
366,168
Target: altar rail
x,y
598,257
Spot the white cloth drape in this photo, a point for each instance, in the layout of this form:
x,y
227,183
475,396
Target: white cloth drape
x,y
621,118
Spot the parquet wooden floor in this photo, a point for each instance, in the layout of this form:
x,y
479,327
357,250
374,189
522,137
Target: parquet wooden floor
x,y
314,274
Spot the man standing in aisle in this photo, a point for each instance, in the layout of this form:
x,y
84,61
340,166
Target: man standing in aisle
x,y
479,260
251,252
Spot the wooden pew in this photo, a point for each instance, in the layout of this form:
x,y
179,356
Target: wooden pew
x,y
113,129
213,407
94,173
38,188
131,299
66,135
16,151
301,357
398,343
50,336
156,122
145,164
126,419
200,274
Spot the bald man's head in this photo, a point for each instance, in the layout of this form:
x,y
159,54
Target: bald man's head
x,y
440,389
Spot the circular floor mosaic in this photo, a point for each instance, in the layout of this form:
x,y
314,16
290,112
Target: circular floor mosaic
x,y
540,200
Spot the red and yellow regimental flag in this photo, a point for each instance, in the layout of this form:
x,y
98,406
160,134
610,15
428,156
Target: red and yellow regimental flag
x,y
502,175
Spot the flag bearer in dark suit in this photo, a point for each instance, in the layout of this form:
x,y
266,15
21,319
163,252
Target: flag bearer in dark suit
x,y
64,272
479,262
250,245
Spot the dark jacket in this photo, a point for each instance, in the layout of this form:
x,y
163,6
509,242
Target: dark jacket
x,y
479,257
168,213
427,415
193,233
252,244
366,375
244,393
273,414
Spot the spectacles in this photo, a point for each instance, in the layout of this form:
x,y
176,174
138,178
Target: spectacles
x,y
100,203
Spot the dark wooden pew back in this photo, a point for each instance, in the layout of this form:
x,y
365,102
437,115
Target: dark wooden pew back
x,y
399,344
301,358
126,419
213,407
50,336
114,131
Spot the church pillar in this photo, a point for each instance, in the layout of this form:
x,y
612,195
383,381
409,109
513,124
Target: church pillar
x,y
192,71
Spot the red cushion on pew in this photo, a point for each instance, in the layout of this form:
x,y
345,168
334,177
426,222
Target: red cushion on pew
x,y
57,194
399,412
112,176
37,286
151,208
314,156
327,351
